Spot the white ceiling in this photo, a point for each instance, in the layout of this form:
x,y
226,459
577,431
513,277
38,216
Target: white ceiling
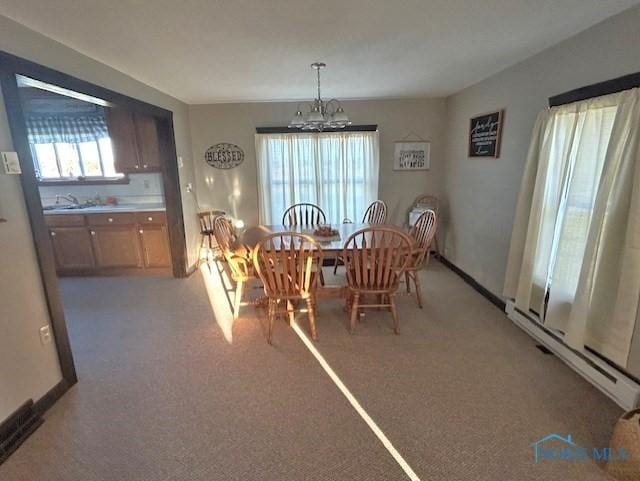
x,y
244,50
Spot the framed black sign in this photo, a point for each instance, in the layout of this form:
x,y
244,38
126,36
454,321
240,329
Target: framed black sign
x,y
224,156
485,132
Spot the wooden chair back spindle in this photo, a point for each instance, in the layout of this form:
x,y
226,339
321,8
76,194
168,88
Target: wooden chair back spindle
x,y
288,264
303,214
376,213
423,232
375,257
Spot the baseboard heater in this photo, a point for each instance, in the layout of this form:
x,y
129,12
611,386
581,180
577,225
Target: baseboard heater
x,y
17,428
614,383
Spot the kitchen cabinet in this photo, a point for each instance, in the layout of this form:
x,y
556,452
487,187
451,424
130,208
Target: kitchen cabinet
x,y
116,246
155,248
72,248
134,140
108,243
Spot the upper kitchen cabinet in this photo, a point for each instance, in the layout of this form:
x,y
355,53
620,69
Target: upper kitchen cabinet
x,y
134,138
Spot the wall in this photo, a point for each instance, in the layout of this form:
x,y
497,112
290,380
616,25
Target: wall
x,y
142,188
481,193
236,191
27,368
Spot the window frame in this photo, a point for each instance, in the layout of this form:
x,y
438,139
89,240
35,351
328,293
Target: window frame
x,y
82,179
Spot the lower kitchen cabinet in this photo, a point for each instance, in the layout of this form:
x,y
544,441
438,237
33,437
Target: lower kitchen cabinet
x,y
101,243
116,246
155,246
72,248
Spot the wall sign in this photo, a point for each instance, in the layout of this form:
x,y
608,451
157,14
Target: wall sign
x,y
224,156
412,155
485,132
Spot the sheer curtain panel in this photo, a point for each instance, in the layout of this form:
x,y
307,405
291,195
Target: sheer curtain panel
x,y
575,255
338,171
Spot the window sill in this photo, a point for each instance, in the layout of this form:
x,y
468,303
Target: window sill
x,y
102,181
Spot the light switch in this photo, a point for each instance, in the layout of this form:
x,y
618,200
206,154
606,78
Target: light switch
x,y
11,163
180,162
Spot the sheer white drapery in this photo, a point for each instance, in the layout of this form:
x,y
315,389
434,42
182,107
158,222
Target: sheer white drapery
x,y
336,170
576,235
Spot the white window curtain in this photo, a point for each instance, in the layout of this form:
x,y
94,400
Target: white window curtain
x,y
338,171
575,247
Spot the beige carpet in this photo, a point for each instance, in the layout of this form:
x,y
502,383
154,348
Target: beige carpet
x,y
163,395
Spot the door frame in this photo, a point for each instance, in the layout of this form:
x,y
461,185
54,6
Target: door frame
x,y
10,66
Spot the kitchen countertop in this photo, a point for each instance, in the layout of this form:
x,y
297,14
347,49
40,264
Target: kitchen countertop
x,y
108,209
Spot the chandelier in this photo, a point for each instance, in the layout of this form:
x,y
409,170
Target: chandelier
x,y
322,114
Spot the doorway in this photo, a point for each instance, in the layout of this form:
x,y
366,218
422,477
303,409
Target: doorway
x,y
87,154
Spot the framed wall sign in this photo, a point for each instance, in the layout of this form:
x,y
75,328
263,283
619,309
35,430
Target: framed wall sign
x,y
412,155
485,135
224,156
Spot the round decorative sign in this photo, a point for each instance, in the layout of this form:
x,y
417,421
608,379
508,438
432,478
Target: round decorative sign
x,y
224,156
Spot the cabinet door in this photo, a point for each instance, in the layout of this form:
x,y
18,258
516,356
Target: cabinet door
x,y
116,246
155,245
72,248
122,131
148,145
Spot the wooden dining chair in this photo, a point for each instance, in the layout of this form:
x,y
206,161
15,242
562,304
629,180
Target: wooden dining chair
x,y
303,214
238,262
430,202
375,258
423,233
376,213
288,264
207,236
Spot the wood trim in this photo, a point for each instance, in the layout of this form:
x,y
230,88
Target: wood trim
x,y
43,404
76,183
490,296
287,130
172,196
17,65
40,232
607,87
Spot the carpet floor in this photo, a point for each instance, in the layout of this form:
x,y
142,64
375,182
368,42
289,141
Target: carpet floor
x,y
168,392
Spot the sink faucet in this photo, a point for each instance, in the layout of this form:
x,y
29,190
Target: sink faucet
x,y
71,198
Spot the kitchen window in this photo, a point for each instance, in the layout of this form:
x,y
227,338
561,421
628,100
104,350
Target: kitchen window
x,y
72,148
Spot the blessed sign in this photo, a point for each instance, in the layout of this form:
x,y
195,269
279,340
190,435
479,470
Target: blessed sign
x,y
485,135
224,156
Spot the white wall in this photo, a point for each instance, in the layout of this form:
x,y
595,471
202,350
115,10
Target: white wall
x,y
27,368
481,193
236,123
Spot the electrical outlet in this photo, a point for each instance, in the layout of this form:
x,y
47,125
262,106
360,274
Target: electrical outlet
x,y
45,334
147,184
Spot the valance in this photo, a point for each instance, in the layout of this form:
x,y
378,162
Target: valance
x,y
65,129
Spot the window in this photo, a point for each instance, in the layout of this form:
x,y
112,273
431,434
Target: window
x,y
63,160
337,171
71,147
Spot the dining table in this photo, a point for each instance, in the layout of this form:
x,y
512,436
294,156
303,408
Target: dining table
x,y
333,246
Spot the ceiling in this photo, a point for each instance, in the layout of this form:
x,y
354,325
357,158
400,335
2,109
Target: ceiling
x,y
259,50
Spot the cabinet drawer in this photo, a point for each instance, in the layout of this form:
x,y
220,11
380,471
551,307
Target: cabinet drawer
x,y
64,220
151,217
124,218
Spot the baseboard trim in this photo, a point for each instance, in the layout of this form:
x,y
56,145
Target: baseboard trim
x,y
43,404
490,296
26,419
192,269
